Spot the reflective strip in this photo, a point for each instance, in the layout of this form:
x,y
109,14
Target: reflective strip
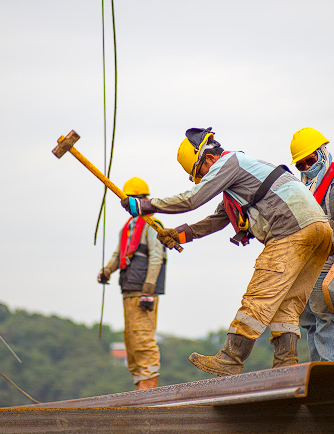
x,y
140,254
154,368
137,378
284,327
182,237
232,330
251,322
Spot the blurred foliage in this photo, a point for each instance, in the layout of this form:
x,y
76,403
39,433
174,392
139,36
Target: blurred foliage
x,y
63,360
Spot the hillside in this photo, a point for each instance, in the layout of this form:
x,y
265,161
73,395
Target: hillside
x,y
63,360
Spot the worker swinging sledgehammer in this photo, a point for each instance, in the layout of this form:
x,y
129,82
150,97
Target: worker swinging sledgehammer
x,y
66,144
260,201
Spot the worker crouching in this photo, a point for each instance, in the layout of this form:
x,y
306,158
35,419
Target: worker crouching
x,y
261,201
141,259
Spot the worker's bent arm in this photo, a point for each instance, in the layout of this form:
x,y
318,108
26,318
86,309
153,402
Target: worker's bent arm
x,y
207,226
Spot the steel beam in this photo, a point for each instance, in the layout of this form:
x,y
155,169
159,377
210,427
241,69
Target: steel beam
x,y
307,382
281,417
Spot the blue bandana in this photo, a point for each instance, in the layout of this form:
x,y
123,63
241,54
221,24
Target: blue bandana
x,y
313,176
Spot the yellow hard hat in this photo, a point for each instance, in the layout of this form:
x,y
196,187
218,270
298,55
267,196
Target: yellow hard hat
x,y
191,151
136,186
304,142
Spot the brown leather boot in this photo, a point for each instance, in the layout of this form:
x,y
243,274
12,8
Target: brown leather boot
x,y
147,384
285,350
229,360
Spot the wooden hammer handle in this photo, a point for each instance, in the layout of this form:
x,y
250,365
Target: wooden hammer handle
x,y
106,181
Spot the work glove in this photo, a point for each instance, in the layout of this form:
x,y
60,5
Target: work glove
x,y
132,205
146,302
167,237
102,278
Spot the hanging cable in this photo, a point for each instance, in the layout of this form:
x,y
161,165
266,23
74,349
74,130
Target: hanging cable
x,y
103,204
11,350
18,388
114,120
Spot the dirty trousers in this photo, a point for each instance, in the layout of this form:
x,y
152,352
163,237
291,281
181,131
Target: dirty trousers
x,y
142,350
284,276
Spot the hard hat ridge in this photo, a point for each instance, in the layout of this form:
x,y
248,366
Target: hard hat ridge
x,y
197,135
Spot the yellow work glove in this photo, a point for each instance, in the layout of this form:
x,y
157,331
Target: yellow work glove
x,y
167,237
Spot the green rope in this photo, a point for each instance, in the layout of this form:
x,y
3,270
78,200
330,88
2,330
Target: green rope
x,y
103,204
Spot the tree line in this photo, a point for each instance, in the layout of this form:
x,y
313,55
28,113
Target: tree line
x,y
64,360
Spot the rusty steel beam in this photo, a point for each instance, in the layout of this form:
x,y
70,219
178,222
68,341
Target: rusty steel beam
x,y
293,400
281,417
310,383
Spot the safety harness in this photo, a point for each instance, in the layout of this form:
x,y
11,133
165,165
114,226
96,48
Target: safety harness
x,y
322,188
127,248
238,214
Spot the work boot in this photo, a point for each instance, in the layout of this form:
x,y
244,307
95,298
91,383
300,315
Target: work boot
x,y
229,360
150,383
285,350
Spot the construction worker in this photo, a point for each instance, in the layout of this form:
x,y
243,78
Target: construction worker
x,y
260,201
141,259
312,159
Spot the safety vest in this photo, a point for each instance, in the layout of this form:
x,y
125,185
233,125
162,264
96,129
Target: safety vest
x,y
237,213
325,182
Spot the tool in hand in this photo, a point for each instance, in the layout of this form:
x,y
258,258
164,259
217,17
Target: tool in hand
x,y
67,144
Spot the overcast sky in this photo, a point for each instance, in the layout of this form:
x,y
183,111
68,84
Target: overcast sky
x,y
255,72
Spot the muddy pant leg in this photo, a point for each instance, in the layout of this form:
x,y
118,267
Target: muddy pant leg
x,y
133,368
144,349
276,270
294,302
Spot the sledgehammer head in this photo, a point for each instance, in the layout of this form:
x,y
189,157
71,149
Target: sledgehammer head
x,y
65,143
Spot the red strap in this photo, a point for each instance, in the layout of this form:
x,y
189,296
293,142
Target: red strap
x,y
323,187
225,153
128,250
233,209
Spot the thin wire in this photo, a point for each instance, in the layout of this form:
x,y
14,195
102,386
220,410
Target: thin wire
x,y
19,389
11,350
114,121
103,204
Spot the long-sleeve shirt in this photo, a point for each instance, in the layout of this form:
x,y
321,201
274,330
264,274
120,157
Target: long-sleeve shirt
x,y
287,207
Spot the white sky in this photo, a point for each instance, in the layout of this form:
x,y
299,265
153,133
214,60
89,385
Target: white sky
x,y
254,71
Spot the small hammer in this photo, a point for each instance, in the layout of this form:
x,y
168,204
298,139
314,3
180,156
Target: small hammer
x,y
67,144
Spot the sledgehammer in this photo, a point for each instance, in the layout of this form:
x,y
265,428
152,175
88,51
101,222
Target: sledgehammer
x,y
67,144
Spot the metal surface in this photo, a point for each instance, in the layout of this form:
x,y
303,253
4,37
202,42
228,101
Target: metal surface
x,y
309,382
275,418
293,400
